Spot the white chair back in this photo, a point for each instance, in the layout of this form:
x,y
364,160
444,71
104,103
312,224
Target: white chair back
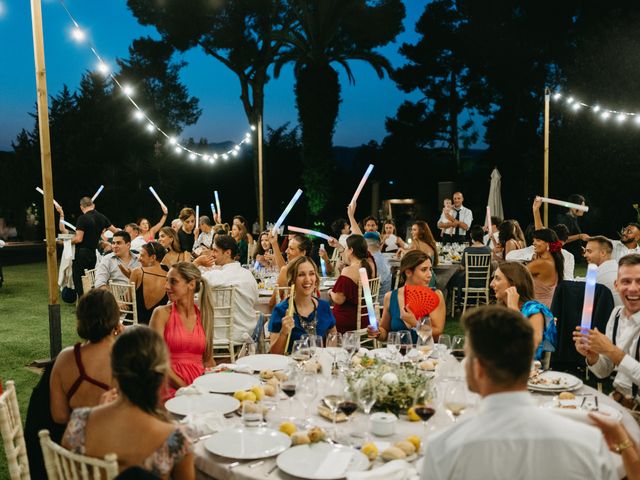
x,y
91,278
374,286
125,294
478,274
15,448
61,464
222,299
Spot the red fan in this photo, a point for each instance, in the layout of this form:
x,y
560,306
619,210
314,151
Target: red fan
x,y
420,300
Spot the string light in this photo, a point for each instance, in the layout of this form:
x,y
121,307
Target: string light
x,y
603,112
79,35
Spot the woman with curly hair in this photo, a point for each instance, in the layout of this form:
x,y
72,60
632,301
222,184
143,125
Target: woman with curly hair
x,y
547,266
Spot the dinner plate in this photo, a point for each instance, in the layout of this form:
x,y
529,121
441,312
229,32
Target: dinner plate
x,y
226,382
322,461
265,362
203,403
554,382
263,292
248,443
578,413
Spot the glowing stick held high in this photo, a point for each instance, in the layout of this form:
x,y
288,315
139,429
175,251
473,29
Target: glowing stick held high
x,y
366,291
290,312
67,224
197,216
306,231
164,207
323,264
362,182
38,189
286,211
562,203
213,210
589,291
95,195
218,204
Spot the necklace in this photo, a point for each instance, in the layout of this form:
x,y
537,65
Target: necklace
x,y
310,322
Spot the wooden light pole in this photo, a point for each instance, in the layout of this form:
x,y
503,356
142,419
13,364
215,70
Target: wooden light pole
x,y
260,176
55,334
545,217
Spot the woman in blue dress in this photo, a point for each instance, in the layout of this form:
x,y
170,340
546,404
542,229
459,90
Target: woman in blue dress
x,y
311,315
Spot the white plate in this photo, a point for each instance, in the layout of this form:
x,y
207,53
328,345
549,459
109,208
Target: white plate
x,y
248,443
226,382
265,362
263,292
205,403
565,381
578,413
322,461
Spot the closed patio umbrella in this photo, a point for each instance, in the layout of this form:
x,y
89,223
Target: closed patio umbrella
x,y
495,197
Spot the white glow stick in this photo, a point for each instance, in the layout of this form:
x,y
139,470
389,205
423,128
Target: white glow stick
x,y
95,195
362,182
366,291
218,204
197,216
68,224
562,203
323,264
213,210
38,189
164,207
284,214
306,231
589,291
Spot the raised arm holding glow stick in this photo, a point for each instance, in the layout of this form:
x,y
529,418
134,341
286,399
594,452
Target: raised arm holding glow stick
x,y
67,224
562,203
213,210
218,205
362,182
366,291
39,190
286,211
589,292
306,231
290,311
197,216
95,195
157,197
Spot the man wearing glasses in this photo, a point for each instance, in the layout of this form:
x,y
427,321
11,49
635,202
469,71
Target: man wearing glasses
x,y
628,242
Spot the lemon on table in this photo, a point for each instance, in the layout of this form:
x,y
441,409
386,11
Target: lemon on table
x,y
258,391
413,416
370,450
239,395
288,428
250,396
415,440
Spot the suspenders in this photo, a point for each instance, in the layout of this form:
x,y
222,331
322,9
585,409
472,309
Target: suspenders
x,y
634,386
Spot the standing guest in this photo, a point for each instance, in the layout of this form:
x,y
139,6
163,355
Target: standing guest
x,y
511,436
312,316
617,348
205,239
341,230
239,234
187,332
382,264
187,233
149,233
629,242
598,251
570,220
240,220
137,240
446,233
168,238
459,218
176,224
547,266
108,270
415,269
507,241
231,274
344,293
132,425
370,224
263,252
150,280
89,227
81,374
389,239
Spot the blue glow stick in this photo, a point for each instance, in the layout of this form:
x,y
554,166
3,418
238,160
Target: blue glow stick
x,y
306,231
284,214
589,291
218,204
323,264
213,210
366,291
95,195
362,182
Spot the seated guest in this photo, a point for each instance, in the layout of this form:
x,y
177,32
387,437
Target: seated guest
x,y
150,280
168,238
137,240
619,442
344,293
149,233
297,246
617,349
311,315
382,264
547,266
477,246
132,426
240,220
415,268
511,436
231,274
187,233
262,253
422,239
108,270
341,231
205,239
507,240
493,241
598,251
629,242
389,239
513,286
239,234
81,374
187,332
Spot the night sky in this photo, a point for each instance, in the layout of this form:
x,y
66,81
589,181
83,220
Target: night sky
x,y
112,28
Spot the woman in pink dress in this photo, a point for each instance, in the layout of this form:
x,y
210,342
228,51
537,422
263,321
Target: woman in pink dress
x,y
187,332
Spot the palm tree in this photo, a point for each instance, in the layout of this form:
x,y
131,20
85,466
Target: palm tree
x,y
327,32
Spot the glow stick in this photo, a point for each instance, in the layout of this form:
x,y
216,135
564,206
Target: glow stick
x,y
366,291
362,182
213,210
197,216
38,189
306,231
95,195
218,205
562,203
323,264
157,198
491,237
290,311
589,291
67,224
284,214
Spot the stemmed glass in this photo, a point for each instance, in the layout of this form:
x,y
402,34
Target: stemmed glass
x,y
348,406
351,342
393,345
315,342
333,396
406,342
307,390
457,347
455,398
366,396
445,340
300,351
424,406
423,327
334,344
289,386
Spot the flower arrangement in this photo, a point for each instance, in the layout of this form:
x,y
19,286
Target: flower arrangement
x,y
395,385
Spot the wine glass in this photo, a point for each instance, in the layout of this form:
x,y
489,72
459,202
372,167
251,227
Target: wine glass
x,y
315,342
289,386
393,345
351,342
406,342
348,406
423,327
334,344
424,405
445,340
333,396
307,390
424,346
300,351
457,347
366,396
455,398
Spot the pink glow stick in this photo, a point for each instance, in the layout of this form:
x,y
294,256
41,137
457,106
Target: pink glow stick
x,y
366,291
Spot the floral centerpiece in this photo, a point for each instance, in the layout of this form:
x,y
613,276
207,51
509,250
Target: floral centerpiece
x,y
396,385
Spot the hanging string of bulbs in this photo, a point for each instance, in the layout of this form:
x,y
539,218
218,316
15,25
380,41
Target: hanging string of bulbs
x,y
604,113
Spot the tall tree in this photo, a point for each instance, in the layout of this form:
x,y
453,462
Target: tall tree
x,y
324,33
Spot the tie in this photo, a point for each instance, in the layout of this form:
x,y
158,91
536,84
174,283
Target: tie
x,y
457,218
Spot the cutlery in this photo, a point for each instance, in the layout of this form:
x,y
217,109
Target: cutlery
x,y
273,469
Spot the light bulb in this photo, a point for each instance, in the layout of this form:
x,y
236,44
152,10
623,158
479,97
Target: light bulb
x,y
138,115
206,158
621,117
128,90
576,106
557,96
103,68
178,150
637,118
234,153
172,140
570,100
150,127
253,127
192,156
596,109
605,115
225,157
78,34
215,156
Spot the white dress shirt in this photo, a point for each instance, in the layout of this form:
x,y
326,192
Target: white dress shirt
x,y
627,341
246,293
466,217
620,250
137,243
512,437
107,270
443,219
526,254
607,275
204,240
491,245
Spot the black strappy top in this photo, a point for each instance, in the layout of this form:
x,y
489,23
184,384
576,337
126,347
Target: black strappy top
x,y
144,314
83,375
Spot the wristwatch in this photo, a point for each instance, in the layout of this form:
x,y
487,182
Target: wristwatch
x,y
619,447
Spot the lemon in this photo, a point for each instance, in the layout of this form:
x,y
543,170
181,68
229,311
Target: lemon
x,y
415,440
239,395
288,428
258,392
413,416
370,450
250,396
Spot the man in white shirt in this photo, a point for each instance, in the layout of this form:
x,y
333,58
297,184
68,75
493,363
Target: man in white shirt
x,y
510,436
137,240
619,346
598,251
109,268
204,241
231,274
495,223
629,242
459,218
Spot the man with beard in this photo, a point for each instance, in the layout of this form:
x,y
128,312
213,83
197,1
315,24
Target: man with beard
x,y
628,243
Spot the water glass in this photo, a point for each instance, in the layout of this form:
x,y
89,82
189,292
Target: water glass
x,y
423,327
393,345
252,414
445,340
306,391
351,342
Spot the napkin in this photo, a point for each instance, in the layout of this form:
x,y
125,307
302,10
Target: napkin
x,y
336,464
204,424
190,390
232,367
394,470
